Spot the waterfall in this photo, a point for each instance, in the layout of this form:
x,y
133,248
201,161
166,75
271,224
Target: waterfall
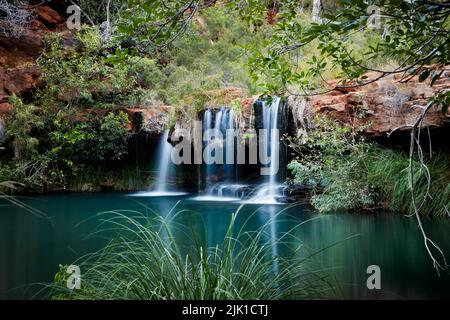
x,y
165,149
165,170
207,120
272,126
223,121
207,126
230,144
219,175
221,179
268,191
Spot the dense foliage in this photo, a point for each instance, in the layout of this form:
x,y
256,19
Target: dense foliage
x,y
72,123
78,74
53,151
412,34
348,173
210,55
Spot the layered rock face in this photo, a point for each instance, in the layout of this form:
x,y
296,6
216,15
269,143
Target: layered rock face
x,y
152,121
19,72
378,108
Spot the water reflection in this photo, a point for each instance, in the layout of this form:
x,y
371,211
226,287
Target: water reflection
x,y
31,248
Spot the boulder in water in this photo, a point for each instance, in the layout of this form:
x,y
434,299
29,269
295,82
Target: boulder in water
x,y
294,193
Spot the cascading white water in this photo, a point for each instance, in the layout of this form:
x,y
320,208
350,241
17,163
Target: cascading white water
x,y
207,120
230,155
165,170
207,126
221,179
165,149
272,126
220,121
267,192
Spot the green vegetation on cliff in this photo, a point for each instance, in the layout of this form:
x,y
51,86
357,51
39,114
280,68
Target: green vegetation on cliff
x,y
349,173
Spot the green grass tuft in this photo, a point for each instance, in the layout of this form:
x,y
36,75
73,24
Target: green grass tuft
x,y
145,261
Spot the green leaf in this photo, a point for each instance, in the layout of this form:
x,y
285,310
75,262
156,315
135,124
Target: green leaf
x,y
424,75
435,77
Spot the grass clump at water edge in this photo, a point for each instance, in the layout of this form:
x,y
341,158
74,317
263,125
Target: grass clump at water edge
x,y
146,262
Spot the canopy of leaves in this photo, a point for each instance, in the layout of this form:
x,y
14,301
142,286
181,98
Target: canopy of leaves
x,y
414,34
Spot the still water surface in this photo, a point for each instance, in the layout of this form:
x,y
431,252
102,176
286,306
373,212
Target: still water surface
x,y
31,248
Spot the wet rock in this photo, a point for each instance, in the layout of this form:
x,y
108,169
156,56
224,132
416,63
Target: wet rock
x,y
297,190
294,193
285,199
152,120
107,185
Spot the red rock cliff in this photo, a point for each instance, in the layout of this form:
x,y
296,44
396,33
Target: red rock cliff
x,y
380,107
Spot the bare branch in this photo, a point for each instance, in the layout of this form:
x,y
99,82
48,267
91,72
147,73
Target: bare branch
x,y
16,17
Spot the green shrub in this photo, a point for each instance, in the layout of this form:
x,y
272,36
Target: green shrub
x,y
211,55
52,150
348,173
20,125
94,140
81,75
